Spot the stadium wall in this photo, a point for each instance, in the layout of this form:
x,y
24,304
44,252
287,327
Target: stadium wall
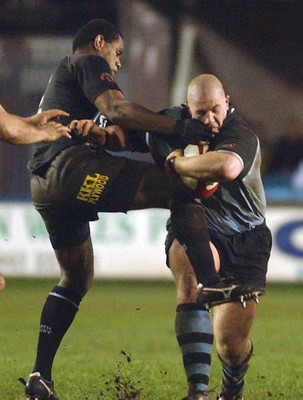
x,y
132,246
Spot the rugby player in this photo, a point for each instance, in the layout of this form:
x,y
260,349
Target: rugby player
x,y
240,242
73,180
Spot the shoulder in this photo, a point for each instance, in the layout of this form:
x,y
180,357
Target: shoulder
x,y
236,136
235,126
82,60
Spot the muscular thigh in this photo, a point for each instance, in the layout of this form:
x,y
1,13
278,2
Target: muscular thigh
x,y
102,182
82,182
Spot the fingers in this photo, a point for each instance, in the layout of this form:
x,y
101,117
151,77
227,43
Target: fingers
x,y
113,137
43,117
84,126
97,137
65,131
116,138
170,162
54,131
73,125
175,153
54,113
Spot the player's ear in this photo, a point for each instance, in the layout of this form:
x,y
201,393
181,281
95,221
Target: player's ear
x,y
185,105
99,42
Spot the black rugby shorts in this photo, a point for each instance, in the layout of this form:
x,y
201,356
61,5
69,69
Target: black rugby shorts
x,y
79,183
244,256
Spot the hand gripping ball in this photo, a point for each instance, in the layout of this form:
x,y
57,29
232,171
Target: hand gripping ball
x,y
199,189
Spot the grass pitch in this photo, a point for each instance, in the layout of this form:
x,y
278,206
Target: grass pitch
x,y
122,344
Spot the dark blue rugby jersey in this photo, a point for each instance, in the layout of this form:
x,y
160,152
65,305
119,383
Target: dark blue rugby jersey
x,y
238,205
74,86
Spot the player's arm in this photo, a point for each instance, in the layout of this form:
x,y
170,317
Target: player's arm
x,y
132,116
17,130
213,166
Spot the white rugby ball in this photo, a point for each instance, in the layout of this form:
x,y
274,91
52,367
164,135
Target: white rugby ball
x,y
198,189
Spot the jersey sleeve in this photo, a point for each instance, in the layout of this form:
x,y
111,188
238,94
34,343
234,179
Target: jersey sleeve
x,y
93,75
236,137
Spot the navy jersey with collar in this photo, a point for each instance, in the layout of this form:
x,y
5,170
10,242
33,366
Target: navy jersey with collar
x,y
74,86
239,205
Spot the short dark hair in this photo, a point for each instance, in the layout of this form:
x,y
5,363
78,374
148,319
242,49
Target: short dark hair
x,y
93,28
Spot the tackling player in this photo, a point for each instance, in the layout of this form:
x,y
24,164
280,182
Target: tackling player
x,y
18,130
72,181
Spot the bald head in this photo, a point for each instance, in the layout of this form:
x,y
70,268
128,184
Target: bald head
x,y
205,86
207,101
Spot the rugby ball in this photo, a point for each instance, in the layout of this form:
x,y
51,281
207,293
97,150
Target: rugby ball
x,y
198,189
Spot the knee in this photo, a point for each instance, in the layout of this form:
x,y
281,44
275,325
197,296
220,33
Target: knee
x,y
229,353
77,268
233,350
79,283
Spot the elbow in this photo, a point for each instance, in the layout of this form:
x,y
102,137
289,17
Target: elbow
x,y
116,117
116,113
229,171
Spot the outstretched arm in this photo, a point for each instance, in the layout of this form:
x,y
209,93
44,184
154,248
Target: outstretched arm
x,y
132,116
17,130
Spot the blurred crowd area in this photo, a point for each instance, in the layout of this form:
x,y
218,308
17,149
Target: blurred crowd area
x,y
282,162
166,44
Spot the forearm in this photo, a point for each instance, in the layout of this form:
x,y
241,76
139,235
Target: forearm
x,y
132,116
213,166
16,131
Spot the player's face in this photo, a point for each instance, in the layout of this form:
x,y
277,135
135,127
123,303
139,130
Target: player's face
x,y
211,110
111,52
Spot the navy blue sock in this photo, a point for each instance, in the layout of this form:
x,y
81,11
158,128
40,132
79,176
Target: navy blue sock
x,y
57,315
195,337
233,377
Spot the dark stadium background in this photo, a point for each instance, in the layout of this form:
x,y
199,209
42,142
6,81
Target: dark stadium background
x,y
269,31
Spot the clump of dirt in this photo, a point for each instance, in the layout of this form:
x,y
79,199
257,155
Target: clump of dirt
x,y
122,385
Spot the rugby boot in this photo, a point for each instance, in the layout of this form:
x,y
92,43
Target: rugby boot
x,y
197,396
227,394
226,291
37,388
